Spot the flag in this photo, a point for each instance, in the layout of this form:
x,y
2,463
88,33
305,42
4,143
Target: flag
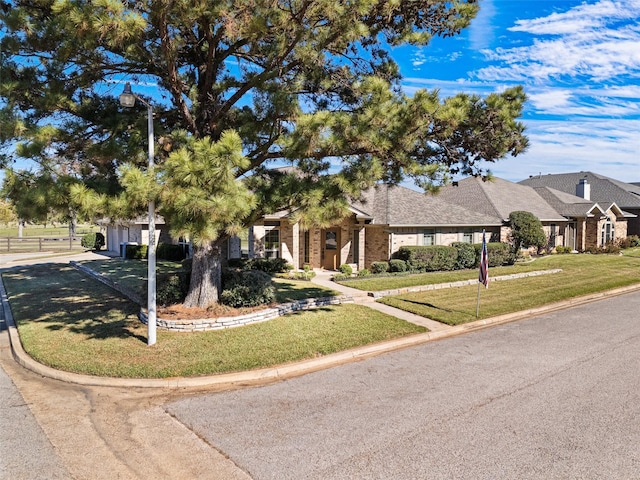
x,y
484,264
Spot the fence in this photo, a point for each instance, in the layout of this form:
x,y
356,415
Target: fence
x,y
39,244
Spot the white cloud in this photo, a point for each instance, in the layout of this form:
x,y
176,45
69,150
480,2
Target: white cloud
x,y
598,41
481,31
609,147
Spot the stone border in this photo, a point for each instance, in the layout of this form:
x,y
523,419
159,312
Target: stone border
x,y
205,324
461,283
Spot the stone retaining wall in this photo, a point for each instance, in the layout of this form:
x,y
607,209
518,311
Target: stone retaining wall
x,y
461,283
200,325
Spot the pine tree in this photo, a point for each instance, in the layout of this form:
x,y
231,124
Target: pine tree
x,y
253,83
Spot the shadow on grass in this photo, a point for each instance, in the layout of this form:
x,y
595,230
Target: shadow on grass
x,y
60,298
288,292
441,309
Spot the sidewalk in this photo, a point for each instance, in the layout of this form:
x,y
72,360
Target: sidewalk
x,y
323,278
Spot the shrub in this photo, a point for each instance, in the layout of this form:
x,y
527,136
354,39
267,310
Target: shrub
x,y
379,267
93,241
430,259
561,249
466,255
499,254
171,252
340,277
246,288
136,252
630,241
345,269
172,288
364,272
397,265
526,230
269,265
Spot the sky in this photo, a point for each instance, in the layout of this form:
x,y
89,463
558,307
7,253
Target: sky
x,y
579,62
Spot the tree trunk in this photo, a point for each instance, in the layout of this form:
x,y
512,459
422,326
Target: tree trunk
x,y
20,228
206,276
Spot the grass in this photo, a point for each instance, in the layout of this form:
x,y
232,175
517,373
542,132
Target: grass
x,y
42,231
581,275
133,275
70,322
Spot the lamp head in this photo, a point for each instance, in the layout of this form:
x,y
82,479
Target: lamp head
x,y
127,97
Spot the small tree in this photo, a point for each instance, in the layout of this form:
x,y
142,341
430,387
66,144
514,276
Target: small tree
x,y
526,230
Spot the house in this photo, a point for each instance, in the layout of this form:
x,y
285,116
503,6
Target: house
x,y
383,220
388,217
567,220
596,188
135,231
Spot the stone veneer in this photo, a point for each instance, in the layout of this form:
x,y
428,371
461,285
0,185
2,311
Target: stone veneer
x,y
204,324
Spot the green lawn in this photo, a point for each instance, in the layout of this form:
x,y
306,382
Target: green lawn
x,y
70,322
133,275
581,275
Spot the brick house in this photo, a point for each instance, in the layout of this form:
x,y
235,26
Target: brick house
x,y
596,188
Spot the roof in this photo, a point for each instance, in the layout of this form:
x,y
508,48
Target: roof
x,y
498,198
573,206
604,190
401,206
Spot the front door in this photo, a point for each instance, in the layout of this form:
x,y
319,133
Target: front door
x,y
330,249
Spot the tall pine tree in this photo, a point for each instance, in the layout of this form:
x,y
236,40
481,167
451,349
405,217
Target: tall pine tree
x,y
240,86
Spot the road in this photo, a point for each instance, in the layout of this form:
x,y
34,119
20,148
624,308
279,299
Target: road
x,y
555,396
552,397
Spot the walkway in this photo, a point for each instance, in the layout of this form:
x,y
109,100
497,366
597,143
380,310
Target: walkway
x,y
323,278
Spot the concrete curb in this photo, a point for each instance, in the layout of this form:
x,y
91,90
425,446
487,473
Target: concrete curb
x,y
282,372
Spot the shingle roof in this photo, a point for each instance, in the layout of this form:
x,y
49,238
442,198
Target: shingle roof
x,y
567,204
498,198
401,206
604,190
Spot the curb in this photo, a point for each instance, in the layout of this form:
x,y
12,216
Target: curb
x,y
282,372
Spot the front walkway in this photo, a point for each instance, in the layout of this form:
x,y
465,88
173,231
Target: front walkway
x,y
323,278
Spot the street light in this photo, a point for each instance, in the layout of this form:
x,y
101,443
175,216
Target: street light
x,y
128,100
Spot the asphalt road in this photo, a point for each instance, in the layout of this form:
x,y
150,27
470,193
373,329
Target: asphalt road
x,y
25,451
552,397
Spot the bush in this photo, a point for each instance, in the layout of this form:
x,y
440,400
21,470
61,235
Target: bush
x,y
268,265
561,249
526,230
430,259
136,252
499,254
379,267
172,288
340,277
93,241
246,288
364,272
345,269
466,255
168,251
397,265
630,241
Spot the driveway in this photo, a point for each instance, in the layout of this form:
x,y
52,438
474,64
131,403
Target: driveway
x,y
556,396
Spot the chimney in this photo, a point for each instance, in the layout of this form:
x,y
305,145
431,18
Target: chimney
x,y
583,189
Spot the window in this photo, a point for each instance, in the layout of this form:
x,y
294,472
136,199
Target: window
x,y
467,236
607,232
272,244
552,235
429,237
306,247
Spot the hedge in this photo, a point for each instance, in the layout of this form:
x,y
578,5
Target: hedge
x,y
431,259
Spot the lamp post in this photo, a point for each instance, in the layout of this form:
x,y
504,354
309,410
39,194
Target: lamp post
x,y
128,99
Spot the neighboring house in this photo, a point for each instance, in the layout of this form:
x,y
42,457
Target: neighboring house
x,y
136,231
596,188
567,220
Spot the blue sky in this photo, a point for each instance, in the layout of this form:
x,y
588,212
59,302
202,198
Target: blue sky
x,y
579,62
